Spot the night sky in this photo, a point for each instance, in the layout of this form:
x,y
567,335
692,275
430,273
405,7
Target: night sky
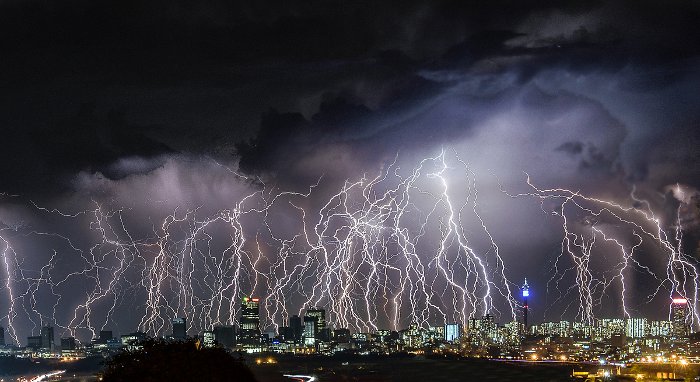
x,y
163,105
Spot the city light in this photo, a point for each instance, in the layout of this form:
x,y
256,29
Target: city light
x,y
680,301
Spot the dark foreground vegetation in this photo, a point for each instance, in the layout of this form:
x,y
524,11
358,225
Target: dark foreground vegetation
x,y
186,361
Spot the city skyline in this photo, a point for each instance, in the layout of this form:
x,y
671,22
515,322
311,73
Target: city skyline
x,y
246,331
608,340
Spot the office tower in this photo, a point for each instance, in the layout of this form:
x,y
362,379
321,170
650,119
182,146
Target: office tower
x,y
452,332
323,333
179,328
310,330
225,335
209,339
679,311
297,328
68,343
341,335
319,315
34,342
286,333
250,322
636,327
105,335
47,339
2,336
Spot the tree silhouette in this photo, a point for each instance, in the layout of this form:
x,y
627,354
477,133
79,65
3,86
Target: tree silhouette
x,y
161,360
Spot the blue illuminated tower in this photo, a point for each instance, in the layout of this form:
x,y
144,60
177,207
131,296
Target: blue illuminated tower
x,y
526,293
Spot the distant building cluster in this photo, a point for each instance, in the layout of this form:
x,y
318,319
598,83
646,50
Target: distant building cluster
x,y
605,340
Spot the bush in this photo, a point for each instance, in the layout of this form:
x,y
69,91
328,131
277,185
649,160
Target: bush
x,y
160,360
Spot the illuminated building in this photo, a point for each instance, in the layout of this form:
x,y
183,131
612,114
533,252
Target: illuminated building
x,y
319,315
489,328
225,335
47,338
549,329
679,308
526,293
250,322
512,333
453,332
320,327
209,339
133,341
636,327
310,330
179,328
660,328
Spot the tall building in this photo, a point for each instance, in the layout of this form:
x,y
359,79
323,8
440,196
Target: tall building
x,y
34,342
105,335
2,336
453,332
636,327
225,335
296,327
679,308
285,332
341,336
319,326
179,328
209,339
319,315
68,343
47,338
660,328
526,293
250,322
310,330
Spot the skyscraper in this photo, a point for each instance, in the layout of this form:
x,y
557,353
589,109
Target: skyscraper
x,y
296,327
679,308
225,335
636,327
105,335
179,328
453,332
2,336
310,330
34,342
47,339
319,315
250,322
319,326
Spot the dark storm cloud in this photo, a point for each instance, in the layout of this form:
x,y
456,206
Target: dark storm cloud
x,y
53,154
205,73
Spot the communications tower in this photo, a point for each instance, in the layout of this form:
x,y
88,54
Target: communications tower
x,y
526,293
